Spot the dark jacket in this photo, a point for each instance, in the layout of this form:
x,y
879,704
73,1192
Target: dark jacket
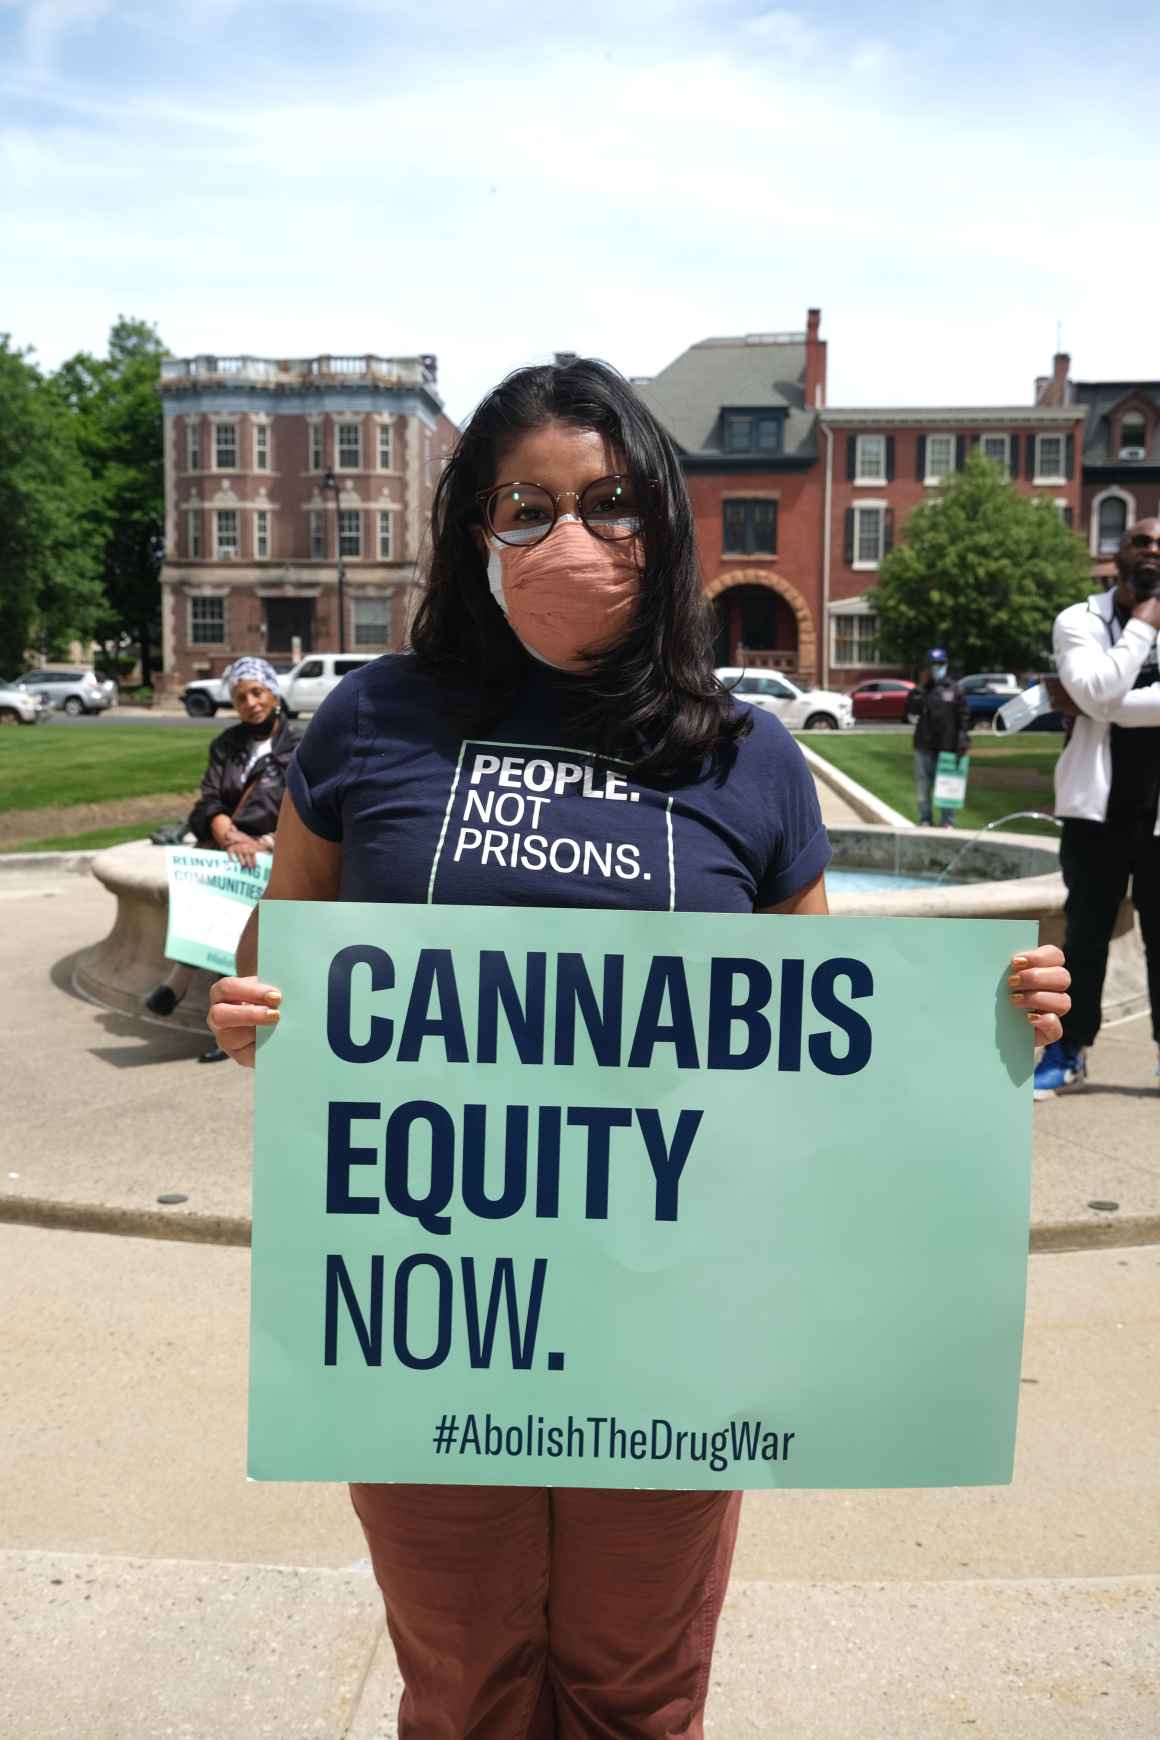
x,y
944,719
226,779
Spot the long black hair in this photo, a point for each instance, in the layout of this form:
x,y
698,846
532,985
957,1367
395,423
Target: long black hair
x,y
652,699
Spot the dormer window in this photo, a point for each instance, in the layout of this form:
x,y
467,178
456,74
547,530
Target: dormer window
x,y
1133,437
756,434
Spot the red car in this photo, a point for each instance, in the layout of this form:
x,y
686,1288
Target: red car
x,y
884,698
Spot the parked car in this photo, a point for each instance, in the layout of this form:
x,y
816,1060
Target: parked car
x,y
986,691
798,709
304,686
22,706
73,691
885,698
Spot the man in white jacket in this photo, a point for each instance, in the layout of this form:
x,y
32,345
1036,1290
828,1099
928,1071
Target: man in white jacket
x,y
1107,789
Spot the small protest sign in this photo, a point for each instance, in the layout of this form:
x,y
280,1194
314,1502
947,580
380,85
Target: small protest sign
x,y
211,896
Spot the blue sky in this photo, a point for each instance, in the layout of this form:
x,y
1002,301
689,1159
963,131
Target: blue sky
x,y
620,177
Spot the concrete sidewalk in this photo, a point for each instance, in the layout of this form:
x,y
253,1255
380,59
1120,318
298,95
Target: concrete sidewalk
x,y
102,1075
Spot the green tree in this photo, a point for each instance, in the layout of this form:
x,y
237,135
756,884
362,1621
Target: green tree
x,y
50,590
982,570
119,428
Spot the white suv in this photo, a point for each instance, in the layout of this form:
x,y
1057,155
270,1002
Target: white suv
x,y
73,691
798,709
304,686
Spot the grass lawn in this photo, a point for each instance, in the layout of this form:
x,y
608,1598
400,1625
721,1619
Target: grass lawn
x,y
1006,773
94,841
68,764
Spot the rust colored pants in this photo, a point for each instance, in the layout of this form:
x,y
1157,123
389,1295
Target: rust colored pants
x,y
529,1613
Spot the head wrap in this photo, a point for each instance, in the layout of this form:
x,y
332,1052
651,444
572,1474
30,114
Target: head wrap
x,y
251,670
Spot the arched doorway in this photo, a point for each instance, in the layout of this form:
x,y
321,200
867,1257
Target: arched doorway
x,y
763,621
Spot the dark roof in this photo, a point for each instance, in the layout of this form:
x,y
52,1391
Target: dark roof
x,y
954,416
755,373
1099,399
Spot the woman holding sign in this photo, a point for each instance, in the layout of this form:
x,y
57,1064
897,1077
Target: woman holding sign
x,y
555,738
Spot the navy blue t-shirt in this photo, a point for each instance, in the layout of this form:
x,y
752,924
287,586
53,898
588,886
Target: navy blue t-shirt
x,y
526,816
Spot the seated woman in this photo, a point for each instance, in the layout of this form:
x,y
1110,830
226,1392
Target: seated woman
x,y
241,792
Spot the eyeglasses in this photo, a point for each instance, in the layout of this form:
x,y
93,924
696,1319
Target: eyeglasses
x,y
526,513
1142,541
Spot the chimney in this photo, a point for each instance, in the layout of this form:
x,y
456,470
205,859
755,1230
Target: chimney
x,y
431,364
815,381
1057,390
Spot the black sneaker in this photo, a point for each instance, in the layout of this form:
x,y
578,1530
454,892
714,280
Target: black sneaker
x,y
214,1055
162,1001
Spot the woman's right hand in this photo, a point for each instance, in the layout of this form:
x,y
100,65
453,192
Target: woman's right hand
x,y
237,1008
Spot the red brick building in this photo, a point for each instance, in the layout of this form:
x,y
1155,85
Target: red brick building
x,y
273,471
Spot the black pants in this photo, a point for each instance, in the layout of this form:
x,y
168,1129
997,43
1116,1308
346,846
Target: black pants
x,y
1098,860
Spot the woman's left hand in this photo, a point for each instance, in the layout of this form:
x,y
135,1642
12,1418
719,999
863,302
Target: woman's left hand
x,y
1038,984
245,849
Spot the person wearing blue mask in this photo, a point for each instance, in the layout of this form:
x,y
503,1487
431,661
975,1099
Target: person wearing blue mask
x,y
944,724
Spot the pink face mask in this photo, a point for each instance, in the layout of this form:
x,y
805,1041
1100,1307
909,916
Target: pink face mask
x,y
569,595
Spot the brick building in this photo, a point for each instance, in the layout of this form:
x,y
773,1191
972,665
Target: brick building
x,y
1121,454
743,414
880,464
274,470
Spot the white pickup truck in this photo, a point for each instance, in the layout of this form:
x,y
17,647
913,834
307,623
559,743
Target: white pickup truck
x,y
304,686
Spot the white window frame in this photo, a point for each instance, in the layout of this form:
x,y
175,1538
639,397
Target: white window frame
x,y
386,439
193,444
859,609
1132,417
866,477
261,446
219,424
1058,476
933,477
386,543
223,553
193,534
989,435
350,514
317,534
381,641
193,639
340,464
1116,493
317,444
860,508
261,534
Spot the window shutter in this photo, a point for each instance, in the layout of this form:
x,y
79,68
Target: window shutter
x,y
1069,469
1029,469
960,452
773,507
1067,518
890,459
888,531
920,462
849,550
1013,464
851,458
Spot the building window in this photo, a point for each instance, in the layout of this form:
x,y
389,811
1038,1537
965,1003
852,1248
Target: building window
x,y
316,444
940,457
749,528
1112,524
349,532
752,432
349,447
370,622
384,535
384,446
1049,459
1063,509
193,445
261,447
261,534
1133,438
855,640
317,535
868,533
226,533
207,621
870,459
225,446
998,449
194,540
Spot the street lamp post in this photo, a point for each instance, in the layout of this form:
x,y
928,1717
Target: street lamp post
x,y
329,481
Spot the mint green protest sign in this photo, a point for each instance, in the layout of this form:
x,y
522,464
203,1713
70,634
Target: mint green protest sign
x,y
211,896
638,1199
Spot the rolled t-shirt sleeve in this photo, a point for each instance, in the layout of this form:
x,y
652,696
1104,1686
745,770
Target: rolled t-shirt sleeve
x,y
323,763
799,848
